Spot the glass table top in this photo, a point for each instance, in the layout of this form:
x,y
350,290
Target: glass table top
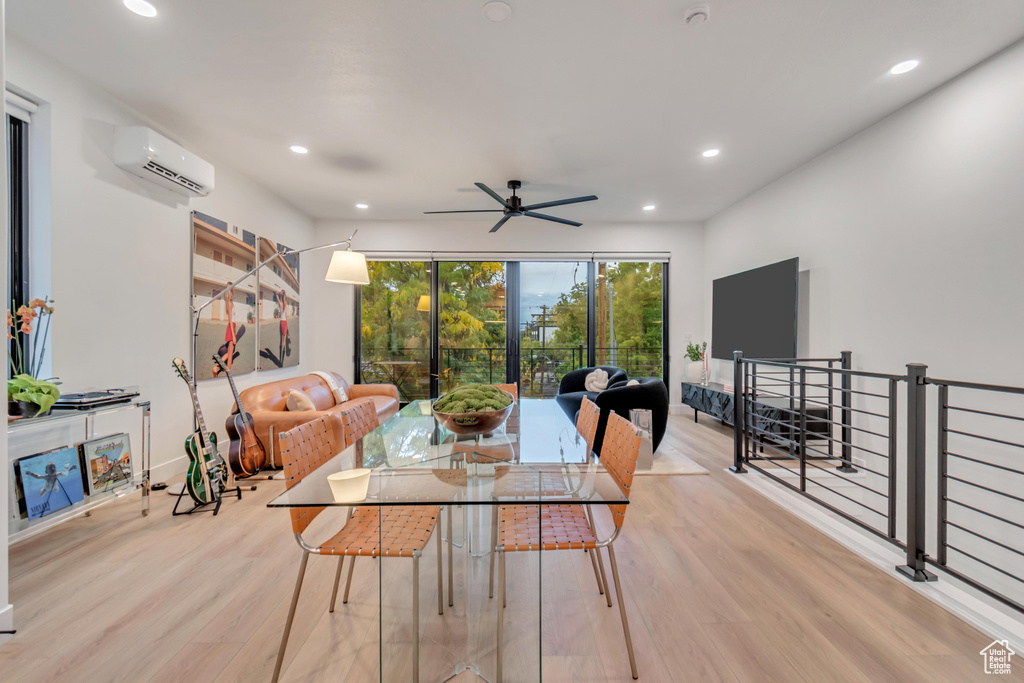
x,y
536,457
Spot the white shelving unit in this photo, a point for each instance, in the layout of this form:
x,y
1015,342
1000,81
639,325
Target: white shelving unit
x,y
67,428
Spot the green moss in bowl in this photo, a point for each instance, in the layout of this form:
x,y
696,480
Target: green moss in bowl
x,y
473,398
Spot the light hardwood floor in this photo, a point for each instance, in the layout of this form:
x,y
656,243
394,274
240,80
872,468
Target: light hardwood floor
x,y
720,584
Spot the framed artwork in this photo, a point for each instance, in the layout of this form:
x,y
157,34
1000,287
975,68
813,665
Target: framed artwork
x,y
279,307
48,482
222,254
106,463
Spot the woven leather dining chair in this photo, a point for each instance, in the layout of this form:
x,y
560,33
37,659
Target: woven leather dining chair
x,y
510,388
370,531
357,422
568,527
586,421
554,483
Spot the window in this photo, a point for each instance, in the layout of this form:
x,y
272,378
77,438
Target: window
x,y
18,244
427,326
630,317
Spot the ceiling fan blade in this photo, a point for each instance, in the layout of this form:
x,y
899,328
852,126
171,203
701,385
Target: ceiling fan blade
x,y
546,217
560,202
500,223
470,211
497,196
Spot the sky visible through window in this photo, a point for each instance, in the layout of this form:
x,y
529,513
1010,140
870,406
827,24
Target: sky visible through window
x,y
542,283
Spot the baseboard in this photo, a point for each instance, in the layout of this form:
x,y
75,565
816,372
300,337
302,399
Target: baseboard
x,y
995,620
6,622
168,470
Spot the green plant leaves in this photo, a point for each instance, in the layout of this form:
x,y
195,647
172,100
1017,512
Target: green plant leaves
x,y
38,391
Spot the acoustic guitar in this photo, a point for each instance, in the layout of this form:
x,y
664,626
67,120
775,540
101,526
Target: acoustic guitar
x,y
207,473
246,454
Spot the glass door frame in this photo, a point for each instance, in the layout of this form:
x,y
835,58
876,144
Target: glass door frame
x,y
512,318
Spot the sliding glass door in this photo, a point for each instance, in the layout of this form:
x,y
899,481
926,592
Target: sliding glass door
x,y
429,326
471,323
552,324
630,317
394,330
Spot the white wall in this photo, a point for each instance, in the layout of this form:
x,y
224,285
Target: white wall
x,y
912,232
6,610
120,250
333,337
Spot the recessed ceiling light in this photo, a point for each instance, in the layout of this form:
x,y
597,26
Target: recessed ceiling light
x,y
299,149
904,67
650,207
362,206
497,12
708,153
141,7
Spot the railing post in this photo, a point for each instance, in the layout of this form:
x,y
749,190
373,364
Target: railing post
x,y
847,450
943,459
914,569
894,410
802,439
738,407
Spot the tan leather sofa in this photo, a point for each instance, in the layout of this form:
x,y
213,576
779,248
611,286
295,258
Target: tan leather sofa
x,y
267,403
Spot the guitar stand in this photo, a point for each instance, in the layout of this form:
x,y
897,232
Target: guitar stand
x,y
198,507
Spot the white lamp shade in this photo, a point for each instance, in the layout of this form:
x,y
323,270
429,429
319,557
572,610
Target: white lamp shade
x,y
348,267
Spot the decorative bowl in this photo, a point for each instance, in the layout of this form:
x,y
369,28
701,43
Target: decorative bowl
x,y
349,486
474,424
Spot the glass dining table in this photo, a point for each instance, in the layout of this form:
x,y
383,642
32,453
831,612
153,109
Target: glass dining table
x,y
401,622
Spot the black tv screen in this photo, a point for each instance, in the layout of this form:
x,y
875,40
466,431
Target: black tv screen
x,y
755,312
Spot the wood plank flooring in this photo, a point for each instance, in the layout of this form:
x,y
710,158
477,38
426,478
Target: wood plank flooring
x,y
720,585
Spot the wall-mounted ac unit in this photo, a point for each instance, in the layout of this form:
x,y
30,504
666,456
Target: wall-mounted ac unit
x,y
149,155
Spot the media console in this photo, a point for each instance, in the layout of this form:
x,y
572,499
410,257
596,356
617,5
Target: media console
x,y
773,415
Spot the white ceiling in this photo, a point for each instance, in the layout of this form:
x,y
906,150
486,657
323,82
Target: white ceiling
x,y
404,104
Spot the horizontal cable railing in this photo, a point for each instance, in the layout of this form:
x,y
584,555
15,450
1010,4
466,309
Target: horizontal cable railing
x,y
812,434
844,437
980,481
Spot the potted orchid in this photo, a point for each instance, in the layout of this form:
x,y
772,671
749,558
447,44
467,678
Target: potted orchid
x,y
26,394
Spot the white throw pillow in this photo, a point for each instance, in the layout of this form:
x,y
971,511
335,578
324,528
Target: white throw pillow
x,y
596,381
633,383
299,401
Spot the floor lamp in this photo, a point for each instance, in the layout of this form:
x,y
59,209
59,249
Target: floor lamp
x,y
346,267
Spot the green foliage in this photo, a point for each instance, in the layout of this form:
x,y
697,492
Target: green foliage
x,y
38,391
473,398
695,352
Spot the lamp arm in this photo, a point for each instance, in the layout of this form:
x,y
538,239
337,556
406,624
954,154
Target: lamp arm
x,y
224,292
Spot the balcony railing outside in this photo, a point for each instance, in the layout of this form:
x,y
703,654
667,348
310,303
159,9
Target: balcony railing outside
x,y
540,369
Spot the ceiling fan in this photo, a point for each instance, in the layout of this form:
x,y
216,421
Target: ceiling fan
x,y
513,206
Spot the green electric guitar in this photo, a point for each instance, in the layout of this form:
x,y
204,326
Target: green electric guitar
x,y
207,473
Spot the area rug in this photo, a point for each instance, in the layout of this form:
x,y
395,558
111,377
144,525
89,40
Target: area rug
x,y
669,461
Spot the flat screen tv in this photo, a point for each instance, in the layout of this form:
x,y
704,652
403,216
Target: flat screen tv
x,y
755,312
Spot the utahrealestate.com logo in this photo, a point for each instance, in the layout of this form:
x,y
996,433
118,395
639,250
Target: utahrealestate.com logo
x,y
997,657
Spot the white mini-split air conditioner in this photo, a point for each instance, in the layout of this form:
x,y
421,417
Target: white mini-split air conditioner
x,y
147,154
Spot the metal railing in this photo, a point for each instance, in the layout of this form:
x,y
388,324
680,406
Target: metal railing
x,y
844,438
540,368
980,482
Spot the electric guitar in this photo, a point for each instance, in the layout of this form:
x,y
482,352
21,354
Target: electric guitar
x,y
207,474
246,454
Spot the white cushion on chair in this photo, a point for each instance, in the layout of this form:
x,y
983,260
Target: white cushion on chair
x,y
596,381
